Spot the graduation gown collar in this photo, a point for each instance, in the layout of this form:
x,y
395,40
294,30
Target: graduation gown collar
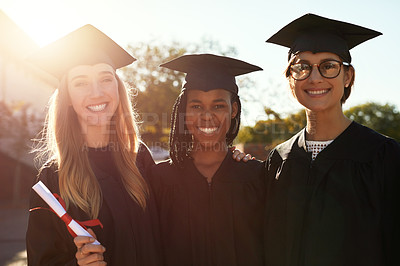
x,y
295,147
363,141
191,167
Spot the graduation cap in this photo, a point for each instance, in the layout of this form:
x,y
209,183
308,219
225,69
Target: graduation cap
x,y
209,72
319,34
84,46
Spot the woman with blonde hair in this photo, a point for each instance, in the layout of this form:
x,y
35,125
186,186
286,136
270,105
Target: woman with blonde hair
x,y
93,158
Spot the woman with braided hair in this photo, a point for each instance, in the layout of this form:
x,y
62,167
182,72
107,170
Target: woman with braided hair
x,y
210,206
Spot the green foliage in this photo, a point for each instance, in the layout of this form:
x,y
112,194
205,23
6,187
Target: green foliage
x,y
384,119
156,87
274,130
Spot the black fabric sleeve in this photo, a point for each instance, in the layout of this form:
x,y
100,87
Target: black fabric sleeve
x,y
48,241
391,202
144,160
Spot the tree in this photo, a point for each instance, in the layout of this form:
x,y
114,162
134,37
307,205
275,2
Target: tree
x,y
156,87
19,124
274,130
384,119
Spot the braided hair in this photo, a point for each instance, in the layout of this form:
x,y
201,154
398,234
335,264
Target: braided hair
x,y
180,139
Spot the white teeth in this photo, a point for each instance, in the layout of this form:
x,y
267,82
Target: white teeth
x,y
97,108
317,92
208,130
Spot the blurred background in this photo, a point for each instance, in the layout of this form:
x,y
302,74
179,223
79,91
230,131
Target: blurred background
x,y
156,31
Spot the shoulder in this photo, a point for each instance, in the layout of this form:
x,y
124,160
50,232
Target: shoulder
x,y
364,133
144,160
282,150
163,167
144,152
48,174
251,165
163,174
364,142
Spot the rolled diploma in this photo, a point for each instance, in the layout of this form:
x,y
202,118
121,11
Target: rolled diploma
x,y
46,195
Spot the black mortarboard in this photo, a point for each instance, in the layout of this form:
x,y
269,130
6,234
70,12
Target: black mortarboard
x,y
318,34
84,46
209,72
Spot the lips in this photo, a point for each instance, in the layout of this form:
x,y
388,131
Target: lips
x,y
97,107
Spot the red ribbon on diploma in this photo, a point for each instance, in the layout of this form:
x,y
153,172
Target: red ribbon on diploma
x,y
67,218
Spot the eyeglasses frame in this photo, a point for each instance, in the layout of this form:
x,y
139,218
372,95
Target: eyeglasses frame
x,y
341,63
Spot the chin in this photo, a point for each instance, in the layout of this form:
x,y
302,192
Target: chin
x,y
98,122
209,145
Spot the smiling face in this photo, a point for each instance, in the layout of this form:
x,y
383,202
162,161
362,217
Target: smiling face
x,y
317,93
208,116
93,91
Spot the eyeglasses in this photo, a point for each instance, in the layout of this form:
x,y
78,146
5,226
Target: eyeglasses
x,y
328,69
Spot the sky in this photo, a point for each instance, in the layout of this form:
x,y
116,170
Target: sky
x,y
244,25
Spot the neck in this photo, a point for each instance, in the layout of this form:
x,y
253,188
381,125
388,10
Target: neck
x,y
97,137
207,159
325,125
209,154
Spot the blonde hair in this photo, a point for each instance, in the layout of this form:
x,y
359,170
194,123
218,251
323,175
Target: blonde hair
x,y
63,143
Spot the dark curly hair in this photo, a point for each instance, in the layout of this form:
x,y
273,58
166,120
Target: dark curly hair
x,y
180,140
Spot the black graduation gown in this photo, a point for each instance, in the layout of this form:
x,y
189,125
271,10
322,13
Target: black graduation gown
x,y
341,209
220,224
130,234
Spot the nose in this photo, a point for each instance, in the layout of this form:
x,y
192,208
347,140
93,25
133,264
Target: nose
x,y
206,115
315,76
96,90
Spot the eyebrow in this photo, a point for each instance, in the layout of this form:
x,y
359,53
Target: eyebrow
x,y
308,61
216,100
78,77
106,73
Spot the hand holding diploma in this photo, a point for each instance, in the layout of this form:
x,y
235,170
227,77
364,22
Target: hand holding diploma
x,y
55,205
88,254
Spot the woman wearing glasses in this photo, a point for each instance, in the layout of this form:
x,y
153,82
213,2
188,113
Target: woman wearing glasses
x,y
332,196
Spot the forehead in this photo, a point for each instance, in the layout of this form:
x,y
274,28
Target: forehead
x,y
208,95
86,70
309,56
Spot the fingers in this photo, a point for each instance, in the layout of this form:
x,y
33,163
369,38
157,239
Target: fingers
x,y
90,259
91,232
82,240
90,254
236,154
246,158
240,156
91,248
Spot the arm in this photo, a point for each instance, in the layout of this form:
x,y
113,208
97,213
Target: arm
x,y
47,239
391,203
